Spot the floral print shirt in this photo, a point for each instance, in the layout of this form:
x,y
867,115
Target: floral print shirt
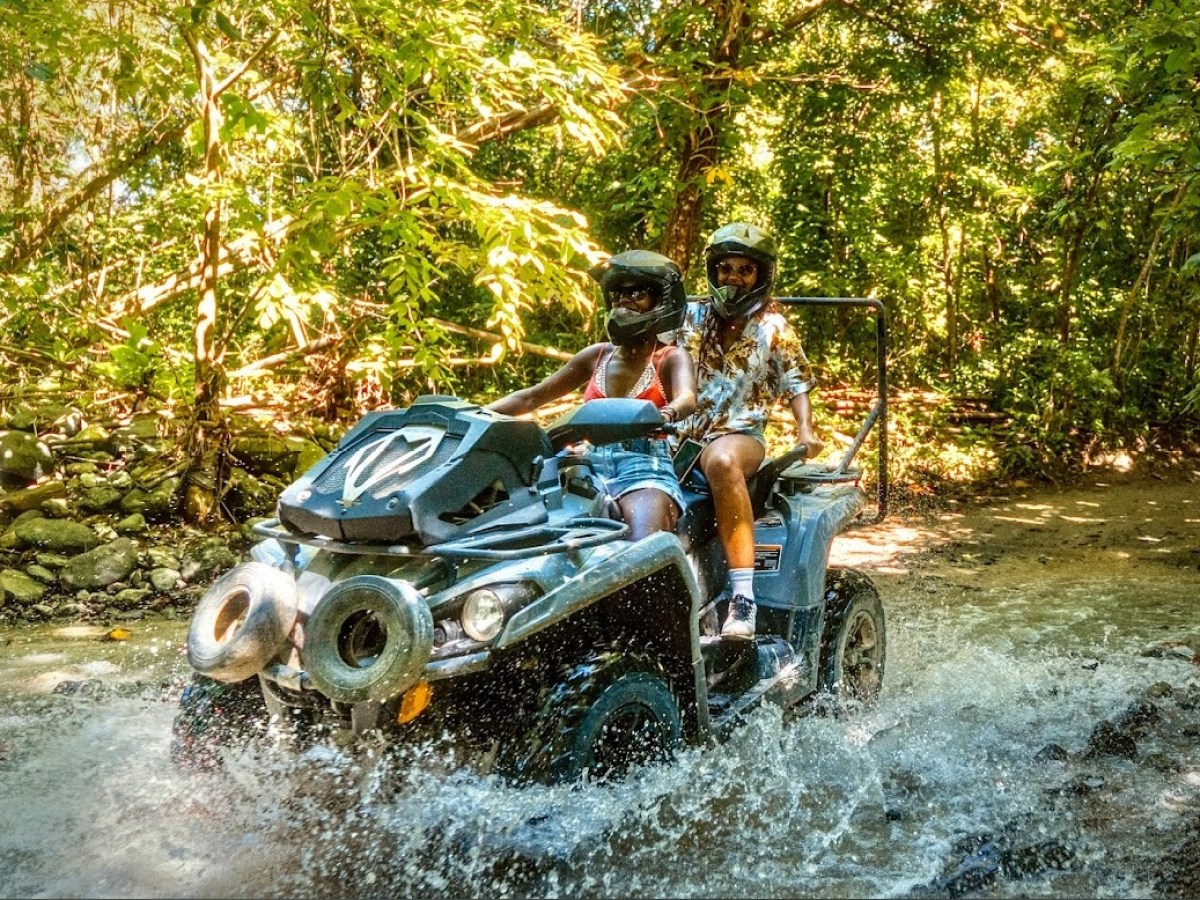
x,y
737,388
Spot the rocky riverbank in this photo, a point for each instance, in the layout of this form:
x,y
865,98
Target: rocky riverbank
x,y
89,513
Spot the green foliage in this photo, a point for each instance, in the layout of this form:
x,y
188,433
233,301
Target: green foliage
x,y
1018,183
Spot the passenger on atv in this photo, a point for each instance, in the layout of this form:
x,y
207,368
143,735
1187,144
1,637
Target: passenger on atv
x,y
747,357
644,295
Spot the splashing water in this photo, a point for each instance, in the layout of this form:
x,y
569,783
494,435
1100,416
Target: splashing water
x,y
888,803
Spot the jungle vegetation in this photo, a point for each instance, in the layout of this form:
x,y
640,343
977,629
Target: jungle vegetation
x,y
304,209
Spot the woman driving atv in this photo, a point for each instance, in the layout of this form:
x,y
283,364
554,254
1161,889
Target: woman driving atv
x,y
747,357
644,295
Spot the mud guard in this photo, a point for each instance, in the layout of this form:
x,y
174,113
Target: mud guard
x,y
659,557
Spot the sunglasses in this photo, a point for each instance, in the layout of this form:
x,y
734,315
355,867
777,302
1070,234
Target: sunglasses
x,y
745,270
636,294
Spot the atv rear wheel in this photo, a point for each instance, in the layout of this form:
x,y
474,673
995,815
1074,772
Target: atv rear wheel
x,y
604,717
213,715
854,640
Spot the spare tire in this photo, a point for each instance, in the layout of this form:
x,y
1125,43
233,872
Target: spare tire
x,y
368,639
242,622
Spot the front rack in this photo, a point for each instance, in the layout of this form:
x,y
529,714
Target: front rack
x,y
520,542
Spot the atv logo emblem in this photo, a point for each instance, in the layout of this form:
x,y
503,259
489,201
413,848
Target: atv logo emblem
x,y
418,444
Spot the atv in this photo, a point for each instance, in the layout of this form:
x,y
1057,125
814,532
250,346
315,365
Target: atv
x,y
448,569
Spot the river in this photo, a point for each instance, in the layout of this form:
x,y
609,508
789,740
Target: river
x,y
1016,625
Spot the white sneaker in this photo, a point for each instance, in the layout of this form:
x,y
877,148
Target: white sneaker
x,y
739,622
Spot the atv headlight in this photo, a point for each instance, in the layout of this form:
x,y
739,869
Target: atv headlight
x,y
483,614
486,609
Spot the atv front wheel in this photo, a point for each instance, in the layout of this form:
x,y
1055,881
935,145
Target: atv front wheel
x,y
854,640
605,716
213,715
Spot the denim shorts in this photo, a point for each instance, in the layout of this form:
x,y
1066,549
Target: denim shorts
x,y
649,466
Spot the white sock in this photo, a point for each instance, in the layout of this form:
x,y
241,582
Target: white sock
x,y
741,581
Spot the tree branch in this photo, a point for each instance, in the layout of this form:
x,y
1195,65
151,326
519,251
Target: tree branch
x,y
149,147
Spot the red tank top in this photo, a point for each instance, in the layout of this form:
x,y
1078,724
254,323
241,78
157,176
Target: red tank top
x,y
649,386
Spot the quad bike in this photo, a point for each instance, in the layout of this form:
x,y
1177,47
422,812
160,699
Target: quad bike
x,y
447,569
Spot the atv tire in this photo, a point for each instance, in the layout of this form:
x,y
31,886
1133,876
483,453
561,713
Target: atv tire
x,y
214,715
854,641
605,716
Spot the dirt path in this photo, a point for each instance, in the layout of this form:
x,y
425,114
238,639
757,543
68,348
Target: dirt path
x,y
1119,523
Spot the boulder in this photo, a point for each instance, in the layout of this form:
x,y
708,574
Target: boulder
x,y
56,508
162,558
55,535
264,453
101,567
207,560
163,580
24,499
248,496
41,573
23,459
130,597
156,504
20,587
99,498
54,561
133,524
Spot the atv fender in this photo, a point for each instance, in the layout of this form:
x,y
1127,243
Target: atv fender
x,y
646,591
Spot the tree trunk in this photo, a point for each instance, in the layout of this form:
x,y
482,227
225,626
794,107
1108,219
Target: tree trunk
x,y
1141,281
946,263
702,145
201,491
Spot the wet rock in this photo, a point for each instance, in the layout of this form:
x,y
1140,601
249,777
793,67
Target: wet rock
x,y
264,453
1021,862
247,528
133,524
90,688
99,498
57,508
92,480
47,534
247,496
164,579
1083,784
1170,650
39,611
94,437
71,610
33,497
1052,753
23,419
162,558
20,588
1107,739
207,560
1137,718
130,597
157,504
1161,762
116,587
101,567
1159,690
53,561
81,468
23,459
41,573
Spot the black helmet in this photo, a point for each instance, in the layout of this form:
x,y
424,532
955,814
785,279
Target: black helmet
x,y
641,268
750,241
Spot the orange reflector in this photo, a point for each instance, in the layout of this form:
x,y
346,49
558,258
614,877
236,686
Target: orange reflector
x,y
415,699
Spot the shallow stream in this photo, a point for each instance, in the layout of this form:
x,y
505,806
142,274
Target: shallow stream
x,y
1012,628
